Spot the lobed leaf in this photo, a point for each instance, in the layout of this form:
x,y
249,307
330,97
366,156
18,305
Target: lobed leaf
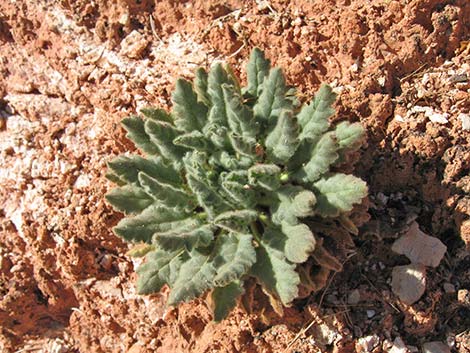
x,y
234,256
300,242
157,115
161,267
313,118
225,298
137,134
282,142
324,154
129,199
190,114
272,270
162,134
256,70
338,193
272,100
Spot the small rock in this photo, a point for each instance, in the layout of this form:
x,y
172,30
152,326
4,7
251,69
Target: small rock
x,y
435,347
133,45
354,297
370,313
325,335
367,344
398,346
419,247
463,297
465,119
449,287
409,282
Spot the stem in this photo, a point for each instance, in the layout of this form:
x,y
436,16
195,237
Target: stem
x,y
255,231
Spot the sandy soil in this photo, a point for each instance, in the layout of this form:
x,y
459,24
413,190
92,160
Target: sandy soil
x,y
71,70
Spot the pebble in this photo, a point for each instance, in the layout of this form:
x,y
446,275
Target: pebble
x,y
409,282
436,347
354,297
370,313
367,344
449,287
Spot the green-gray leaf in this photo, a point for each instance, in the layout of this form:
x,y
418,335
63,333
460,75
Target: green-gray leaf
x,y
313,118
189,114
200,86
236,221
294,202
273,270
300,242
338,193
195,277
136,133
153,219
167,194
161,267
225,298
234,256
157,115
272,99
162,134
324,154
283,140
256,71
266,176
129,199
127,168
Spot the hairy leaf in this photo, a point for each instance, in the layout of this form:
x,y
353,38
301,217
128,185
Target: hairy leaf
x,y
157,115
234,257
127,168
266,176
169,195
136,132
195,277
338,193
272,99
313,118
294,202
283,141
235,221
160,268
300,242
153,219
162,134
273,270
200,87
194,140
324,154
256,70
129,199
189,114
225,298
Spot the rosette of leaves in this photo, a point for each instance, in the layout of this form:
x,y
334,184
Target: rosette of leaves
x,y
228,178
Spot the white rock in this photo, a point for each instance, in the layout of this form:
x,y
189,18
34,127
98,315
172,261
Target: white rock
x,y
370,313
465,119
367,344
436,347
409,282
399,346
419,247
